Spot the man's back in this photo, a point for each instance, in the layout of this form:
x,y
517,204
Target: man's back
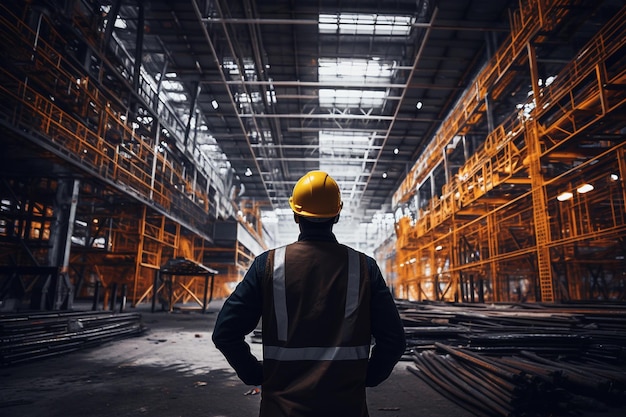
x,y
317,348
321,304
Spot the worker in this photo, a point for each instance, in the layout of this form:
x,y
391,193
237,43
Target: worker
x,y
321,303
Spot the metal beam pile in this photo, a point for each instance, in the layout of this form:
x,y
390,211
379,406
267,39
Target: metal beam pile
x,y
25,337
513,360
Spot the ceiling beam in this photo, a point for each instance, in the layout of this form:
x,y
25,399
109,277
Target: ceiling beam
x,y
442,25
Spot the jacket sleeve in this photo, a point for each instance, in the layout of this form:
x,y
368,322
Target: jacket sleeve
x,y
387,330
237,318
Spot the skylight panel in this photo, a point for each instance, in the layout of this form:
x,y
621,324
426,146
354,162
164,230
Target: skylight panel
x,y
120,23
231,68
178,97
351,98
342,169
365,24
253,97
343,70
354,139
343,145
171,85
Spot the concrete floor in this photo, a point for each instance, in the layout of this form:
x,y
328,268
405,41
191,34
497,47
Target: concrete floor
x,y
174,370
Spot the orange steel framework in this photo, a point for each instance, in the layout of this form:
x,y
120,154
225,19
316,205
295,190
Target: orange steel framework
x,y
165,209
498,232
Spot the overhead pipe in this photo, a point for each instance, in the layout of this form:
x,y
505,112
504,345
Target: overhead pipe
x,y
443,25
252,115
417,60
346,84
218,64
256,41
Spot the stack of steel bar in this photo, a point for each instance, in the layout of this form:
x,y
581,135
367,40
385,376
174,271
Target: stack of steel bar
x,y
24,337
509,360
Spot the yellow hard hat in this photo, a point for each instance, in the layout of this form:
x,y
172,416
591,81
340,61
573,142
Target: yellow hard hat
x,y
316,195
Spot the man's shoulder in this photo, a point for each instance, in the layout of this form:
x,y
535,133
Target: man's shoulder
x,y
370,261
357,251
262,257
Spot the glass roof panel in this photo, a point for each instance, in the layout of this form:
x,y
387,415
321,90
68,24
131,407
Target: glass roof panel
x,y
345,147
365,24
344,70
351,98
340,170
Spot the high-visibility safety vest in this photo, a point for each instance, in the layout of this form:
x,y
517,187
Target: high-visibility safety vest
x,y
316,331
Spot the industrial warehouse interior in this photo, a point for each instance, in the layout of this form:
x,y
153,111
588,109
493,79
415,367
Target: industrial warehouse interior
x,y
149,150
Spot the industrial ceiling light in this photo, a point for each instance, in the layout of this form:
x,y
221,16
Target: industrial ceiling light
x,y
565,196
438,247
419,105
215,104
248,173
384,175
585,188
614,177
396,151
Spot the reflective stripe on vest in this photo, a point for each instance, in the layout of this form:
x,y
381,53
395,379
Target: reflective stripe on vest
x,y
354,272
282,318
280,297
